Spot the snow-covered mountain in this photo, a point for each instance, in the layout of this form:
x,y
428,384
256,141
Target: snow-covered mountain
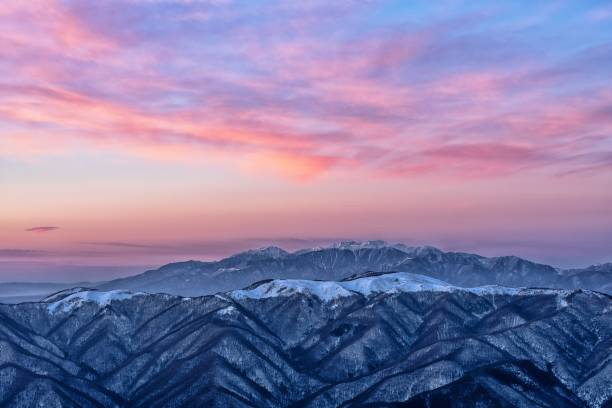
x,y
343,259
373,340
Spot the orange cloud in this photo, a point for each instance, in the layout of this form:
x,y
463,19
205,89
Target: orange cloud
x,y
293,166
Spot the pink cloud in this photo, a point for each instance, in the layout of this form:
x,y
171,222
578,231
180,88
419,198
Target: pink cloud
x,y
310,106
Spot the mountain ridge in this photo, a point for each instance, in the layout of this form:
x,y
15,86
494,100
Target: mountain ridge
x,y
345,258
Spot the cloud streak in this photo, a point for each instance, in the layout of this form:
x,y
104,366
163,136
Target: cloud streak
x,y
41,230
21,253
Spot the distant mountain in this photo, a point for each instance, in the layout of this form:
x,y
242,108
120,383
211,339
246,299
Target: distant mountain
x,y
374,340
16,292
597,277
340,260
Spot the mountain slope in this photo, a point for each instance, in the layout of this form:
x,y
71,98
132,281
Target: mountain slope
x,y
340,260
395,339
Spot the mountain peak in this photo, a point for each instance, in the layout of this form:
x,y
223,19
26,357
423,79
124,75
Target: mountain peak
x,y
424,250
266,251
358,245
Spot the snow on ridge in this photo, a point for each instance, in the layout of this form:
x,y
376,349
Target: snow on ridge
x,y
75,300
329,290
64,293
324,290
398,282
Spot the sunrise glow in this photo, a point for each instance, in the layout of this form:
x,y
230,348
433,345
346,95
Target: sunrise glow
x,y
135,133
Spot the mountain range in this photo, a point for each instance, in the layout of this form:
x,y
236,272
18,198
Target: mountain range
x,y
372,340
338,261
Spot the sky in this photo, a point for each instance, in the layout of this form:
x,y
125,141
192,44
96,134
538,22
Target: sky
x,y
138,132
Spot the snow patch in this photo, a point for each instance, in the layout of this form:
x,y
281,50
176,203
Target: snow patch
x,y
227,311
